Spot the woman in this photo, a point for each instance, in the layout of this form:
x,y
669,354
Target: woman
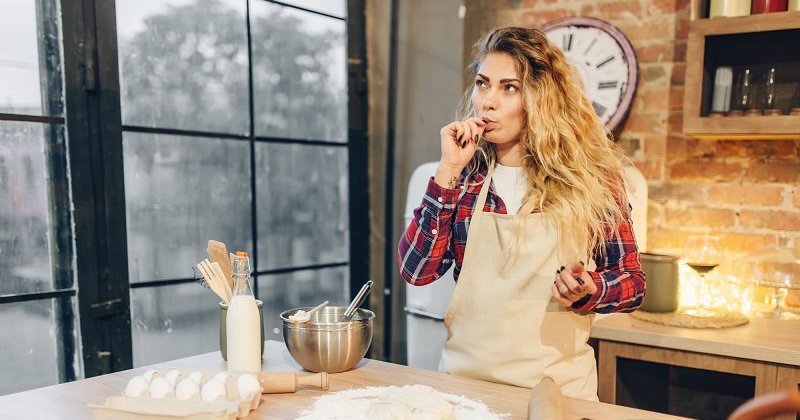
x,y
528,187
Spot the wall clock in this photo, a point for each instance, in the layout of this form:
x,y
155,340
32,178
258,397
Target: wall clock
x,y
605,60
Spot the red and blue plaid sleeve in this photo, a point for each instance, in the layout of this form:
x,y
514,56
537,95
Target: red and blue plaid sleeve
x,y
424,252
619,277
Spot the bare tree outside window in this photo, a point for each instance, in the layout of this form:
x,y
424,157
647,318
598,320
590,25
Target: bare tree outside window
x,y
184,65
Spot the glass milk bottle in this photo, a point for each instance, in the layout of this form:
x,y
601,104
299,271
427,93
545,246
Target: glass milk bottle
x,y
242,323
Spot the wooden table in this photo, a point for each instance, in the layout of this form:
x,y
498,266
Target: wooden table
x,y
69,400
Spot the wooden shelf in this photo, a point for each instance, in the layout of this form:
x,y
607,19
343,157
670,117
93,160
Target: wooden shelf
x,y
757,41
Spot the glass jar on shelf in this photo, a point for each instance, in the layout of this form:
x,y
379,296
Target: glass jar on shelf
x,y
777,269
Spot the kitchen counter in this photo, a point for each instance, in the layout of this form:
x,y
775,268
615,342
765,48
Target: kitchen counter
x,y
69,400
763,339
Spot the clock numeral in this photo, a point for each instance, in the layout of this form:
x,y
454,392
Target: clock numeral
x,y
566,41
591,44
598,109
611,84
606,61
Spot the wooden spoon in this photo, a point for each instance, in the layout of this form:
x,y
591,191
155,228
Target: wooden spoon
x,y
218,253
220,277
211,281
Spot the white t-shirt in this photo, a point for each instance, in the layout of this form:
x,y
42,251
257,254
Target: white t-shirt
x,y
509,184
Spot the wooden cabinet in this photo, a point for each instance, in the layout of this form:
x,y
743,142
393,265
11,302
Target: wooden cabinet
x,y
757,43
698,373
707,386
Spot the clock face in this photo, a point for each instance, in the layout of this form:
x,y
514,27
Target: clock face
x,y
605,60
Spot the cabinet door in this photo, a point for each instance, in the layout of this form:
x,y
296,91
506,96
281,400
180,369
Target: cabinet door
x,y
679,382
787,378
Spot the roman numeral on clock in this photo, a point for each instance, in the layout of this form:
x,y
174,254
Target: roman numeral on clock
x,y
606,61
566,41
598,109
611,84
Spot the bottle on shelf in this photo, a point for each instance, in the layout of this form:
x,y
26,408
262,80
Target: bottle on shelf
x,y
768,6
729,8
770,107
743,98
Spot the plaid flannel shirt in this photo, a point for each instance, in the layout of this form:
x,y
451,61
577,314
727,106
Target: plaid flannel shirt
x,y
437,238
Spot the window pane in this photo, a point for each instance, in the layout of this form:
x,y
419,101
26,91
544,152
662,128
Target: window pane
x,y
171,322
299,74
24,216
331,7
183,64
31,345
179,193
301,288
302,205
30,59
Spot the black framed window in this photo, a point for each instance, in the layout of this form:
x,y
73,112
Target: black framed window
x,y
37,291
224,119
234,119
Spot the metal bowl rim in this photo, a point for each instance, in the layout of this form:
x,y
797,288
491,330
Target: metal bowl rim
x,y
357,323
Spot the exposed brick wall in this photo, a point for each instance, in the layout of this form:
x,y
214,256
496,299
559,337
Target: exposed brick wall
x,y
744,190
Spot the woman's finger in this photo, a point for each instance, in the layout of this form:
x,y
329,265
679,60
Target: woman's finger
x,y
569,281
583,278
564,290
559,297
467,133
459,133
476,130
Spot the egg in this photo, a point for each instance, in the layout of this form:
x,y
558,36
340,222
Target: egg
x,y
187,389
148,376
160,388
221,377
172,377
248,386
136,386
197,376
213,390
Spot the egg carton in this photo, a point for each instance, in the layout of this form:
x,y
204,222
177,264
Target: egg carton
x,y
183,394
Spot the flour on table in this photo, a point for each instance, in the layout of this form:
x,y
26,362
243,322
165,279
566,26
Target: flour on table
x,y
410,402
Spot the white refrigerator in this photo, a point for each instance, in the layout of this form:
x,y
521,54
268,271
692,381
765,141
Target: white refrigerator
x,y
425,305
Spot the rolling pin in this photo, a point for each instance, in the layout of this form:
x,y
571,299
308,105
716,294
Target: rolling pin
x,y
546,401
283,382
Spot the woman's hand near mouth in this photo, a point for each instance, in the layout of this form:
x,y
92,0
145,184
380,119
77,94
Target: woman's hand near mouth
x,y
459,141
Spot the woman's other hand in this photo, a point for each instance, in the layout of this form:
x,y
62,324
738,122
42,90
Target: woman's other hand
x,y
572,283
459,141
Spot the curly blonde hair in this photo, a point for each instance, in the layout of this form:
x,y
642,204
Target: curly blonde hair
x,y
572,166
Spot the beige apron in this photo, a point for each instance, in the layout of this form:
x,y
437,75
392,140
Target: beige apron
x,y
503,325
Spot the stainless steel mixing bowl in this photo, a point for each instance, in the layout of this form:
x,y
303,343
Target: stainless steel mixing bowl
x,y
326,343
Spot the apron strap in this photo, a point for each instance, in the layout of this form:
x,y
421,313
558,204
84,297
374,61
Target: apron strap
x,y
484,191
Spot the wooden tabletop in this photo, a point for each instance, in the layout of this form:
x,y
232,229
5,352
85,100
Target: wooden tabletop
x,y
763,339
69,400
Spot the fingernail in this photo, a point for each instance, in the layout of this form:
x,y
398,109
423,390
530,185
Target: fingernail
x,y
476,138
581,262
580,281
562,267
557,272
